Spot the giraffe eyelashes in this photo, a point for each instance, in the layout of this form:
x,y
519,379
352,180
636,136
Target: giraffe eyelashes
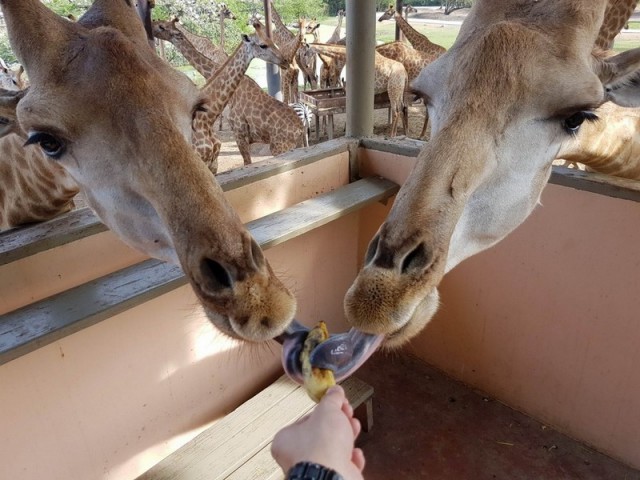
x,y
572,123
51,146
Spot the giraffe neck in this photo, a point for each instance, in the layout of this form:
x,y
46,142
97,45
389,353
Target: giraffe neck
x,y
220,88
335,36
222,32
415,38
290,48
616,16
203,64
281,33
204,46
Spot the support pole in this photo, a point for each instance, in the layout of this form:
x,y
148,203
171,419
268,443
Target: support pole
x,y
399,8
273,71
361,42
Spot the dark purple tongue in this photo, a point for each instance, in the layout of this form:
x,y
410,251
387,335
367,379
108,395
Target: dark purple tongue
x,y
343,353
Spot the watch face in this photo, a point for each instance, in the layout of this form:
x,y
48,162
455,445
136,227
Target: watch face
x,y
312,471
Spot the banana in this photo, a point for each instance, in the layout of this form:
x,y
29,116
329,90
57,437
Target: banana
x,y
316,380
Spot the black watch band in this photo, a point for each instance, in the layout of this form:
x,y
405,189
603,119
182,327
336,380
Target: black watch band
x,y
312,471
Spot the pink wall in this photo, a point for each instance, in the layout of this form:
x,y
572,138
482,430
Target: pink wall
x,y
111,400
547,321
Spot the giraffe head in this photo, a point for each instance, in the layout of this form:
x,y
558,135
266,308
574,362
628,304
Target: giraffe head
x,y
9,99
388,14
409,9
259,45
311,26
11,78
224,13
167,30
519,81
119,119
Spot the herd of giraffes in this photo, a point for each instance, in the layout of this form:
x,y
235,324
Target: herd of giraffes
x,y
523,81
606,146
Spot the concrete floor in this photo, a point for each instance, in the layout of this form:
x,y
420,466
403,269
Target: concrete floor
x,y
427,425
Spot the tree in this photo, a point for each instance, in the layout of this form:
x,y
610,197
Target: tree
x,y
453,5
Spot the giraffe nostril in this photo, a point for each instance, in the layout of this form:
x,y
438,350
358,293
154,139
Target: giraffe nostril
x,y
419,259
216,277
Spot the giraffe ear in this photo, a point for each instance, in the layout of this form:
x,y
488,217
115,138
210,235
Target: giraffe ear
x,y
620,75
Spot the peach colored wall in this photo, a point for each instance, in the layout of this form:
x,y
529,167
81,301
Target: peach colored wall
x,y
52,271
111,400
547,321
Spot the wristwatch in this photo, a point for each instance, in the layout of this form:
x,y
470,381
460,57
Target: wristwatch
x,y
312,471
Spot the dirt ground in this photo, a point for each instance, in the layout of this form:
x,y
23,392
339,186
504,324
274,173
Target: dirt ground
x,y
230,156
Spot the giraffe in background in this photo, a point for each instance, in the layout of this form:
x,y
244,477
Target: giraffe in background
x,y
617,15
289,43
224,14
255,117
33,188
121,123
390,77
415,38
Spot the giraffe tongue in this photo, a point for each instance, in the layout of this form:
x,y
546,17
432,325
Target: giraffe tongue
x,y
343,353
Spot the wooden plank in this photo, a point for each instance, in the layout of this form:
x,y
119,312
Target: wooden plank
x,y
39,324
31,327
262,465
599,183
21,242
221,449
279,226
238,445
596,183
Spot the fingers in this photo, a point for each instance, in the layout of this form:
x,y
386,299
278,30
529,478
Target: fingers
x,y
347,408
356,427
357,458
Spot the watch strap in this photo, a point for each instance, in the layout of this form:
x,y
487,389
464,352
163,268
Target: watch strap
x,y
312,471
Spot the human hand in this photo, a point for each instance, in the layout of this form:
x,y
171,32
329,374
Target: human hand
x,y
326,436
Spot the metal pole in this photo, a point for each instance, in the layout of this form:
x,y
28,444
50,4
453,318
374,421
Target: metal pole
x,y
361,42
273,71
399,7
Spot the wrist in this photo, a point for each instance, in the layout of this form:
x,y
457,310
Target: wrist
x,y
312,471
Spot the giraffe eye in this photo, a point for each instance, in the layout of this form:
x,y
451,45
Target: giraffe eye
x,y
52,146
572,123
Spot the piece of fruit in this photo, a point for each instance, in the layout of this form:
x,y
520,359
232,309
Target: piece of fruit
x,y
316,380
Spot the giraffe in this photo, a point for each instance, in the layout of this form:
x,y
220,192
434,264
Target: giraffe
x,y
289,44
224,14
415,38
617,14
253,114
390,77
119,119
33,188
413,61
335,36
490,155
608,144
11,79
331,68
407,9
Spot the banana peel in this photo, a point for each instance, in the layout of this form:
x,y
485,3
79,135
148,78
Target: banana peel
x,y
316,380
